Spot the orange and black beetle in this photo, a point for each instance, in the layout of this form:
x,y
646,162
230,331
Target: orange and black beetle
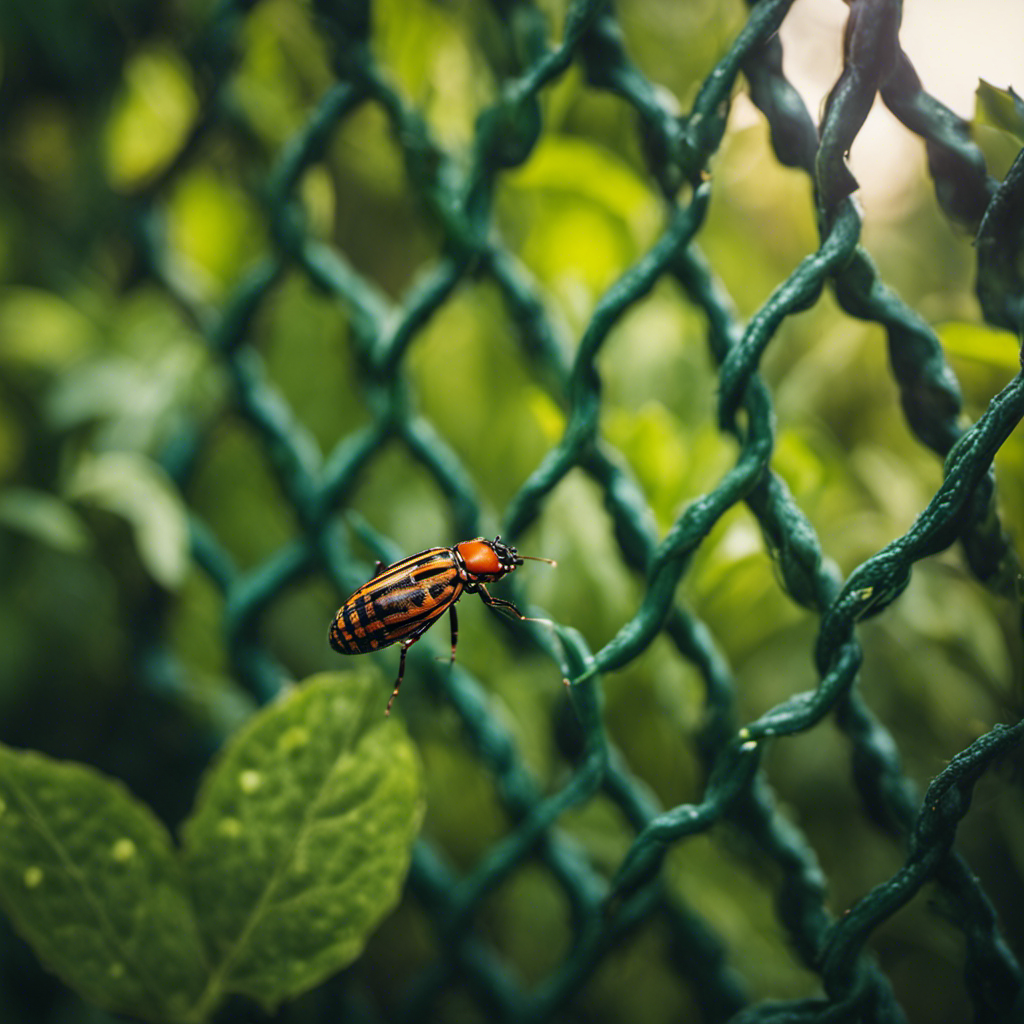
x,y
405,599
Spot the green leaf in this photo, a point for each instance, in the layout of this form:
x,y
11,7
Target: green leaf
x,y
577,214
133,486
999,108
301,837
41,330
981,343
656,444
213,228
44,517
571,166
150,119
90,879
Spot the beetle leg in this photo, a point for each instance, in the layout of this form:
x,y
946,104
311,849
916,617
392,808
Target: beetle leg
x,y
406,644
378,569
455,631
497,602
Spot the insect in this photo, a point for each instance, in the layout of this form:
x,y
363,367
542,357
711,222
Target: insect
x,y
404,599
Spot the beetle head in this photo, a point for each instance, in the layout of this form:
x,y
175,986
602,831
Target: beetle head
x,y
488,559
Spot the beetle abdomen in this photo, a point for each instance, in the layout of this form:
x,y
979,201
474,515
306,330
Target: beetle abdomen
x,y
399,601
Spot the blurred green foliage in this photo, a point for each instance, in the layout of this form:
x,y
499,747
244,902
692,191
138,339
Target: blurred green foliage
x,y
100,369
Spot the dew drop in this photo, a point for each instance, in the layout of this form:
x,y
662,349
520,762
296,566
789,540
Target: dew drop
x,y
123,850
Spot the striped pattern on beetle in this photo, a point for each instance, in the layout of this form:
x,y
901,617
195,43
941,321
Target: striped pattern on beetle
x,y
404,599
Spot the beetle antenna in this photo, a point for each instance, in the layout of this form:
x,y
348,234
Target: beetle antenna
x,y
537,558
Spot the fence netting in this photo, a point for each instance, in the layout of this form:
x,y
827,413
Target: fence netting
x,y
454,187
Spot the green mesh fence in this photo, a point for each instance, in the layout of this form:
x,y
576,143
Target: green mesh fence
x,y
455,195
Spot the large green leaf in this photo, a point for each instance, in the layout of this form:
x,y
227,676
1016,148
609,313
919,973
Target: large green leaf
x,y
90,879
301,837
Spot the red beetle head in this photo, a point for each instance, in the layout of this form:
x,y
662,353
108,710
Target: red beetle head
x,y
488,559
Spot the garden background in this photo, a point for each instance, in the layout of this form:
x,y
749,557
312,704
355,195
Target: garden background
x,y
291,287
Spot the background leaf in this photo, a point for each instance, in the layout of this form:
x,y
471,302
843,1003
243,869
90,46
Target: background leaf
x,y
980,343
44,517
200,197
150,118
999,108
135,487
40,329
89,878
301,837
